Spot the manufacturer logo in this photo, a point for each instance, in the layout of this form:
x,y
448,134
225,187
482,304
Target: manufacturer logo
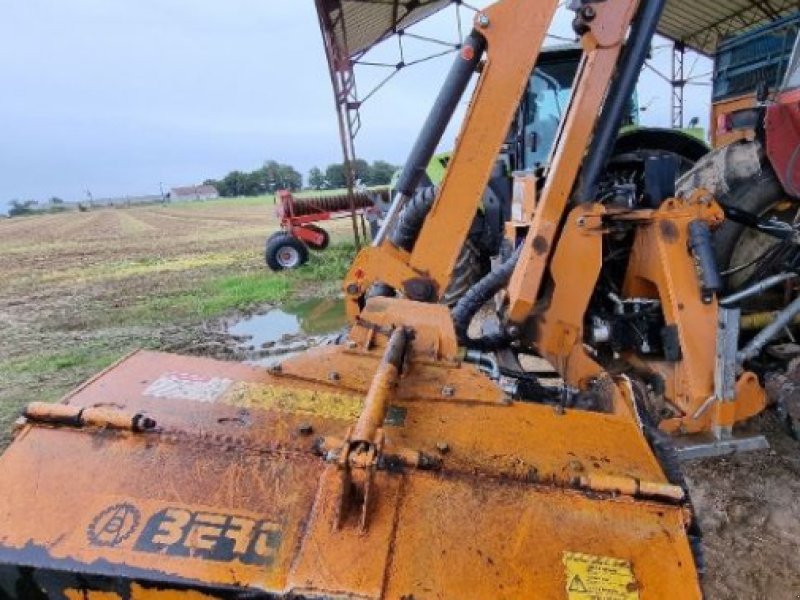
x,y
210,536
113,525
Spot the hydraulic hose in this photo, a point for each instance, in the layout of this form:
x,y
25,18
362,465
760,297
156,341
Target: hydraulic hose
x,y
483,291
410,221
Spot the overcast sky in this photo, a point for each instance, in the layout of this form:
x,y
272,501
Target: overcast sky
x,y
117,96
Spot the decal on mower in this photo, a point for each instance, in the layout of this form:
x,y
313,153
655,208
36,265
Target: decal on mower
x,y
599,578
114,525
188,386
187,533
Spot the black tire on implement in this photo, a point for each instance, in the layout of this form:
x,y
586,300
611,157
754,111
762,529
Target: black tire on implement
x,y
285,252
275,234
326,238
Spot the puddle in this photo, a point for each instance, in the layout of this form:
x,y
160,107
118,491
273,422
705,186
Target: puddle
x,y
315,317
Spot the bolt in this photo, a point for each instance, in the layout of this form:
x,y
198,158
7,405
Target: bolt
x,y
448,391
334,376
353,289
588,13
443,447
576,465
483,20
581,221
352,345
512,331
305,429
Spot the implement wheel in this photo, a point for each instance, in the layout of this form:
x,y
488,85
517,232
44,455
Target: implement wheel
x,y
326,238
285,252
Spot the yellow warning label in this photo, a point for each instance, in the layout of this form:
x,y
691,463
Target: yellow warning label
x,y
295,400
599,578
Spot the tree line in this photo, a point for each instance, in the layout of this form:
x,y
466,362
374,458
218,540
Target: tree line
x,y
274,176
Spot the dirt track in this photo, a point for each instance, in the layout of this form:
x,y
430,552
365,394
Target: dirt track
x,y
79,290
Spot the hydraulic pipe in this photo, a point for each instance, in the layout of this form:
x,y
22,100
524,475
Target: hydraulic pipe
x,y
380,390
620,92
756,288
438,119
766,335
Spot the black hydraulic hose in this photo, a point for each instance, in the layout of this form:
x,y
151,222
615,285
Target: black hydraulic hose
x,y
442,112
664,449
469,305
702,246
622,87
410,221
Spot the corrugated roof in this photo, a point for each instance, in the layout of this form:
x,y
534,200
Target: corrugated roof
x,y
701,24
357,25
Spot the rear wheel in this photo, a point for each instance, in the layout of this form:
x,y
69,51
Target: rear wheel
x,y
285,252
739,176
470,268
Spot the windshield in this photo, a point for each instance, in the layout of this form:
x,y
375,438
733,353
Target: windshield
x,y
793,74
549,92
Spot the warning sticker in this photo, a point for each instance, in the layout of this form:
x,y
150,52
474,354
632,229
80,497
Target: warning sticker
x,y
188,386
599,578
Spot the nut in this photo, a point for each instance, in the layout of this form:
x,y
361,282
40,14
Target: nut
x,y
483,20
334,376
448,391
305,429
443,447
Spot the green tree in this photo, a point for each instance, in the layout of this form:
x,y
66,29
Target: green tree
x,y
335,176
235,184
19,208
361,171
289,178
316,179
381,173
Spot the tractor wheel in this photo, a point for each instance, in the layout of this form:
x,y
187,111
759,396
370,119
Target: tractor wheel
x,y
326,238
469,270
741,177
286,252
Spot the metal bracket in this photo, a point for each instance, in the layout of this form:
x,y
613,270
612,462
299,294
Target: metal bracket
x,y
705,446
725,364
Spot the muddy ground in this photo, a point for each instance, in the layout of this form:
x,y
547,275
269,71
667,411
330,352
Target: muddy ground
x,y
77,291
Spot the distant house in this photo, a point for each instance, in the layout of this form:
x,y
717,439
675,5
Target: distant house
x,y
193,192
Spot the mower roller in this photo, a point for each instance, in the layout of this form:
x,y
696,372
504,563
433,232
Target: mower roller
x,y
288,248
408,462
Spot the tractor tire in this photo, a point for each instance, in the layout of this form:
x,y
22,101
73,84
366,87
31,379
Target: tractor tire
x,y
326,241
285,252
468,271
739,176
